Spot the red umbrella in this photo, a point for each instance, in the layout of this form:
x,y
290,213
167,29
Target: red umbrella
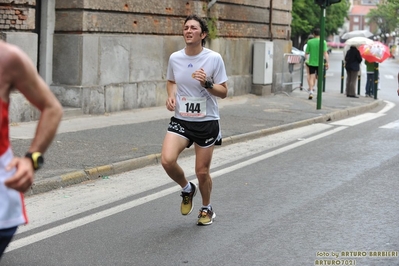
x,y
375,52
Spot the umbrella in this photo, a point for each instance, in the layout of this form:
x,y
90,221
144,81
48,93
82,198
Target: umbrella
x,y
375,52
357,33
357,41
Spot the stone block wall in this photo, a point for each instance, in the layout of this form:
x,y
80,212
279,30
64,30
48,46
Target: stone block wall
x,y
112,55
17,26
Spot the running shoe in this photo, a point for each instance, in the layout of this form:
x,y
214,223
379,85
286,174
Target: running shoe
x,y
187,201
206,216
310,96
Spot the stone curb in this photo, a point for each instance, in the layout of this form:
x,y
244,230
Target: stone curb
x,y
120,167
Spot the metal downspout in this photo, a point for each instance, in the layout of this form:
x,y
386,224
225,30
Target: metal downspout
x,y
38,18
211,3
271,20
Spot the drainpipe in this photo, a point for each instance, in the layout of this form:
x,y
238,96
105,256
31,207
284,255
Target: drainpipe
x,y
211,3
271,20
38,16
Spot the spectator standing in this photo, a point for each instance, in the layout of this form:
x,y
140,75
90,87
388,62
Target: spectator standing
x,y
352,66
370,78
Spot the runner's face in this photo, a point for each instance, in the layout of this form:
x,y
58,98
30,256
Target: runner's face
x,y
192,32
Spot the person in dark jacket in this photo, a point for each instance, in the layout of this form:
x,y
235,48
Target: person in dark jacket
x,y
352,66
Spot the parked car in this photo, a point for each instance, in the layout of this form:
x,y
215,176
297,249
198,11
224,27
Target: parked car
x,y
335,44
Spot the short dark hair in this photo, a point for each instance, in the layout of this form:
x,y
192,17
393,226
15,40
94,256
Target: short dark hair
x,y
204,26
316,31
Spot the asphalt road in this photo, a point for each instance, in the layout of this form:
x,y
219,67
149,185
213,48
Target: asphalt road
x,y
320,193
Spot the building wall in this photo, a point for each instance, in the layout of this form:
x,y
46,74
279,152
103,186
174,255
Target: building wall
x,y
17,26
112,55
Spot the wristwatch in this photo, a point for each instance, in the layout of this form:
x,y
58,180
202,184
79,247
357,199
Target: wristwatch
x,y
208,84
36,158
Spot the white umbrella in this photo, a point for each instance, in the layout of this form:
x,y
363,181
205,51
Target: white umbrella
x,y
357,41
357,33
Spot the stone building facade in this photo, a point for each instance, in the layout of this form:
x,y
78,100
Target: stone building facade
x,y
106,56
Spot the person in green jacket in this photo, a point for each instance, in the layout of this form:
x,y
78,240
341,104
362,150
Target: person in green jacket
x,y
370,78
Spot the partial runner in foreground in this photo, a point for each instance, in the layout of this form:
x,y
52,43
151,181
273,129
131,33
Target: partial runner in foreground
x,y
16,174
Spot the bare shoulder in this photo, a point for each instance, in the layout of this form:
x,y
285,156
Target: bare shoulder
x,y
11,55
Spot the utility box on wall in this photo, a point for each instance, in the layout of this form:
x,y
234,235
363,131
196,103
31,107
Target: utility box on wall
x,y
263,63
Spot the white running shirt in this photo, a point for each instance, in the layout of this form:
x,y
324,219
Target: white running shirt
x,y
193,102
12,208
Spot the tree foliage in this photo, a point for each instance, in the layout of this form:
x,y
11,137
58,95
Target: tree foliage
x,y
385,16
306,17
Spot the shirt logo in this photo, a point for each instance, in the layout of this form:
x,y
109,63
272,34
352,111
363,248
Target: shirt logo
x,y
190,65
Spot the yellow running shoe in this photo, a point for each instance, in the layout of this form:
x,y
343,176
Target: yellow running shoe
x,y
187,202
206,216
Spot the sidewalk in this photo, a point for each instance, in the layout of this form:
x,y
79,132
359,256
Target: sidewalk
x,y
90,147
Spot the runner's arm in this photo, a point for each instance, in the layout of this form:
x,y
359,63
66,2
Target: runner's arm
x,y
171,89
27,80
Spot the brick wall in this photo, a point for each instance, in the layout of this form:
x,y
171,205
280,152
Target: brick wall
x,y
17,15
234,18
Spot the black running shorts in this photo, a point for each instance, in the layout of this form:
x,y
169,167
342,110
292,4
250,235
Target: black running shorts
x,y
313,69
204,134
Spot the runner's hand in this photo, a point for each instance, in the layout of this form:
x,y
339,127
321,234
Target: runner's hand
x,y
23,177
200,75
171,104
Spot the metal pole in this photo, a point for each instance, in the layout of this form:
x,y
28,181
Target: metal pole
x,y
358,84
376,79
321,53
342,76
324,75
302,67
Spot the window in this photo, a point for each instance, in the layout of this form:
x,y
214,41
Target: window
x,y
356,19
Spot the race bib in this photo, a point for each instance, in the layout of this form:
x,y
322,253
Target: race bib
x,y
192,106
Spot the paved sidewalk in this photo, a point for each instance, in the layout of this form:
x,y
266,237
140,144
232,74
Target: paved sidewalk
x,y
90,147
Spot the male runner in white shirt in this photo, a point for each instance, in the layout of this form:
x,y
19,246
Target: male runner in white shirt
x,y
196,76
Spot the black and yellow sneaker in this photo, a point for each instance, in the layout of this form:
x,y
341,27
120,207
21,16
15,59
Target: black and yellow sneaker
x,y
206,216
187,202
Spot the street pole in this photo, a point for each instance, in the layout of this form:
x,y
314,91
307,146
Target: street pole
x,y
321,57
376,79
342,75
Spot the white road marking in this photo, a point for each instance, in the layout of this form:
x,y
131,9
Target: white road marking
x,y
353,121
388,106
19,243
391,125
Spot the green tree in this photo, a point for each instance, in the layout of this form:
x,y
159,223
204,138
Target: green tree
x,y
385,17
306,17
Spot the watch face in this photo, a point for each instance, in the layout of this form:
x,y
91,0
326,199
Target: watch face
x,y
40,161
37,160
